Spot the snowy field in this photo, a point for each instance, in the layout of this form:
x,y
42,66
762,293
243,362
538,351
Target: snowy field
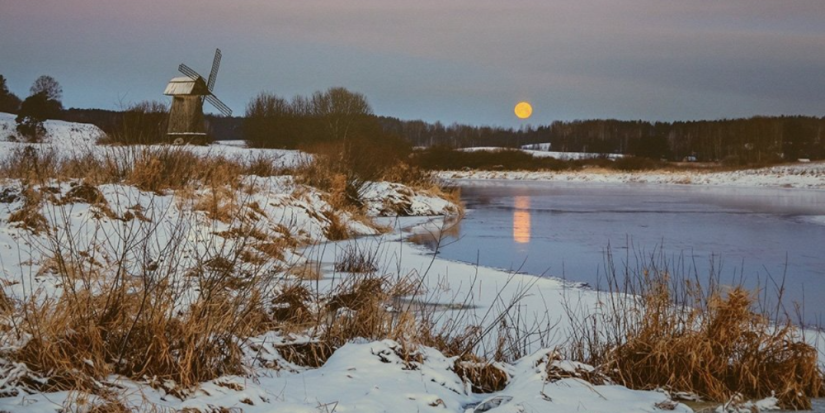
x,y
539,153
803,175
362,376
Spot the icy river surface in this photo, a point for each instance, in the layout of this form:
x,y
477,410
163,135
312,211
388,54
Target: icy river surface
x,y
755,236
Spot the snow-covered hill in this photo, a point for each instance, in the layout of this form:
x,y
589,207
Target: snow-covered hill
x,y
60,133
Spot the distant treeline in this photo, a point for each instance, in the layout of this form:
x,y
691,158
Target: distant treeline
x,y
753,140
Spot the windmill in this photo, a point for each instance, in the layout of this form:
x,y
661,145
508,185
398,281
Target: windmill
x,y
188,93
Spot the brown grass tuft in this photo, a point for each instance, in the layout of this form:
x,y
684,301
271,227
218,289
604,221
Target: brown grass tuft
x,y
731,351
712,343
78,340
29,215
313,354
6,304
127,317
362,294
558,369
483,376
219,203
336,230
263,165
355,259
85,193
358,309
30,164
290,305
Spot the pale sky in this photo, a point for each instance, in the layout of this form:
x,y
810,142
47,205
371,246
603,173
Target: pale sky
x,y
466,61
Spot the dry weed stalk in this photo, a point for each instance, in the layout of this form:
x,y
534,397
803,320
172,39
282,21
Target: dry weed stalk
x,y
357,259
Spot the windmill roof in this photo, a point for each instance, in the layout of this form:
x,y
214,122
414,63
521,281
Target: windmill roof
x,y
185,85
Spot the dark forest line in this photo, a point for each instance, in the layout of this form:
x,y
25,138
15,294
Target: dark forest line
x,y
753,140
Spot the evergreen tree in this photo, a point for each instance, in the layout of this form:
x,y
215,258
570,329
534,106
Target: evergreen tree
x,y
33,112
9,102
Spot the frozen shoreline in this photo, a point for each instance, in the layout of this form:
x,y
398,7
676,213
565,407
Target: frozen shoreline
x,y
803,176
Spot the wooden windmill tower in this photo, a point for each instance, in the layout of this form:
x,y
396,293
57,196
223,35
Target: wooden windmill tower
x,y
188,93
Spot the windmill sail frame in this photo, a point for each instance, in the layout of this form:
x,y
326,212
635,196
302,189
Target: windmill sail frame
x,y
186,119
210,82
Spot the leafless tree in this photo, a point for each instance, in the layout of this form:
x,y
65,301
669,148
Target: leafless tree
x,y
49,86
341,110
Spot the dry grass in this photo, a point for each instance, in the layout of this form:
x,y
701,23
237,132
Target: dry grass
x,y
358,309
150,168
290,305
313,354
729,350
484,376
220,203
28,216
681,336
172,167
264,165
556,372
149,314
356,259
346,169
29,164
85,193
409,175
132,328
102,402
336,230
125,316
326,173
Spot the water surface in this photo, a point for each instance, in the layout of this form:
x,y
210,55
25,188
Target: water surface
x,y
755,236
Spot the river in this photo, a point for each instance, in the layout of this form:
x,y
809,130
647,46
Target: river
x,y
758,237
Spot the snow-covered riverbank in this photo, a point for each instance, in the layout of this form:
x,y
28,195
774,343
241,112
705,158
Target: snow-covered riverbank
x,y
67,236
379,376
803,175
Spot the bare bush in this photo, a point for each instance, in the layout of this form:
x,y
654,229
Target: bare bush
x,y
141,123
346,169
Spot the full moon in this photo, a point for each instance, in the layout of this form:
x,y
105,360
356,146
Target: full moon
x,y
523,110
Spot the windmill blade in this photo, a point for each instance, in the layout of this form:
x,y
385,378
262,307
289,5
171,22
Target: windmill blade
x,y
188,71
213,74
220,106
